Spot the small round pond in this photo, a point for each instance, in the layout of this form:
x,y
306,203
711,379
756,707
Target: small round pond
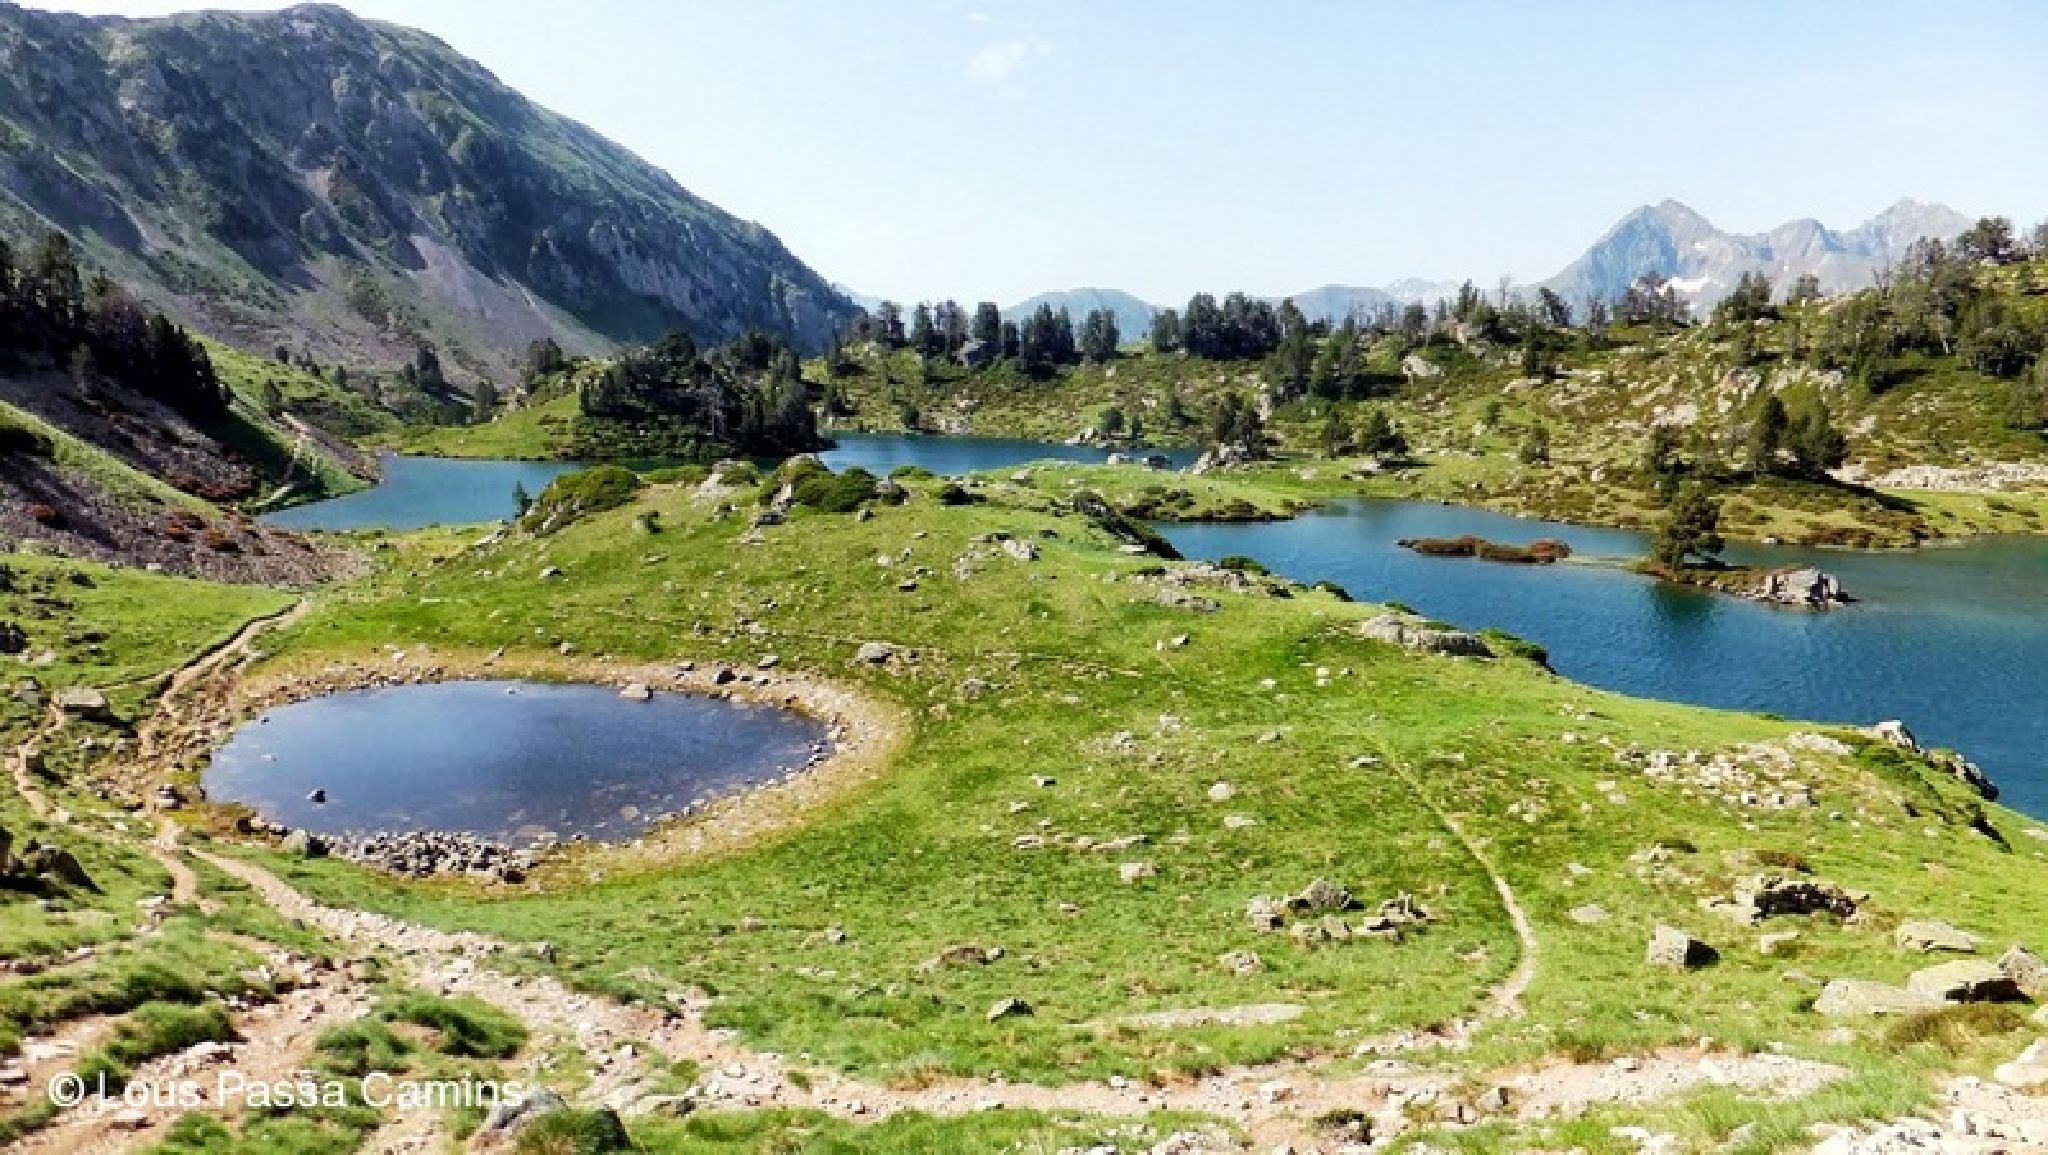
x,y
514,762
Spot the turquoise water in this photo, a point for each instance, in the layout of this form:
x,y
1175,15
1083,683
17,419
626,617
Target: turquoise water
x,y
509,761
1954,641
421,491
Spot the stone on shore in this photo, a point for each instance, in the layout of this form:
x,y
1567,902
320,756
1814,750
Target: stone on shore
x,y
1846,997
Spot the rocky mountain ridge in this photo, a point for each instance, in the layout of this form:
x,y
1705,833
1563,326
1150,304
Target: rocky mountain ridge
x,y
358,189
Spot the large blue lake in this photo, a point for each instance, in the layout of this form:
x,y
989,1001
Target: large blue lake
x,y
1952,640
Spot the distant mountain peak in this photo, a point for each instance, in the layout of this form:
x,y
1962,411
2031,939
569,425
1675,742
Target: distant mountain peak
x,y
1703,262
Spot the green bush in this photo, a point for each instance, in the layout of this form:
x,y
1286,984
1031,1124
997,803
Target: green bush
x,y
574,496
574,1133
1239,563
690,475
911,473
836,492
739,473
469,1028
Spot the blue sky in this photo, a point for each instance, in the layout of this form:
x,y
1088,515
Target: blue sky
x,y
982,149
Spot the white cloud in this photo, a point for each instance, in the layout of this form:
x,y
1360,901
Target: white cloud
x,y
979,17
1000,61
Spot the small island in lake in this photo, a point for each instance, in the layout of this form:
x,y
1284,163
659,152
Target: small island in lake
x,y
1543,551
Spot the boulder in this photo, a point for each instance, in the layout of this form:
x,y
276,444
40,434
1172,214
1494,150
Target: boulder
x,y
2028,1072
305,844
1800,587
1320,897
1588,914
1844,998
56,864
13,639
877,654
1673,948
2022,966
1131,872
1893,732
1242,963
1008,1009
82,702
637,692
1930,935
1264,914
511,1115
1965,981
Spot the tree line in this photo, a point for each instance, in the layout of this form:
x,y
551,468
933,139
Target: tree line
x,y
52,315
747,396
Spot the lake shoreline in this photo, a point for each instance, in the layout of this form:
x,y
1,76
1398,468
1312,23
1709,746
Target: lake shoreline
x,y
863,736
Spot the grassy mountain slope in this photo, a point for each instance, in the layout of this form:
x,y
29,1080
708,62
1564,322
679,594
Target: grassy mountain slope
x,y
358,188
1381,770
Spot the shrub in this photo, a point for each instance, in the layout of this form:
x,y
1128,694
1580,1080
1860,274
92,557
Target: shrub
x,y
573,496
574,1133
836,492
469,1028
1239,563
1956,1029
686,475
953,493
738,473
912,472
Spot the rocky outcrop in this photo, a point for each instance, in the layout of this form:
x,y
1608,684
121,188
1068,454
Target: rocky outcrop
x,y
1805,587
1412,632
1893,732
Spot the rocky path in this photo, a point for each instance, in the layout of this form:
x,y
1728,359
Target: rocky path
x,y
274,1040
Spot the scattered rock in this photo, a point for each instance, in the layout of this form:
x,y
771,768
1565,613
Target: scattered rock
x,y
637,692
1264,914
305,844
317,796
1222,792
1131,872
1928,936
1589,914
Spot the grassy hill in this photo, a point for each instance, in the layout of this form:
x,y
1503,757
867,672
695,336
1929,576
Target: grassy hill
x,y
1050,699
1937,445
